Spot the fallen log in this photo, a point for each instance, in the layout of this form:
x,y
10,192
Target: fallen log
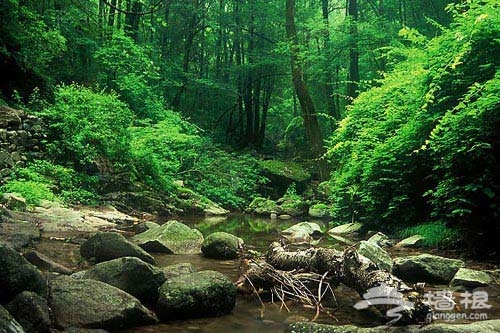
x,y
390,295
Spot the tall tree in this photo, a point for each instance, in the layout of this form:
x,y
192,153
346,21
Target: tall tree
x,y
311,122
353,80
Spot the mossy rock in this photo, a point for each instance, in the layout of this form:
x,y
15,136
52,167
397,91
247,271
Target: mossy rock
x,y
172,237
131,275
31,311
286,169
105,246
264,206
426,268
319,210
221,245
196,295
93,304
18,275
8,324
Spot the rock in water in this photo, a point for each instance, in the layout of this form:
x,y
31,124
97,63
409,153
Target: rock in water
x,y
426,268
486,326
346,229
380,239
376,254
221,245
412,242
105,246
18,275
131,275
93,304
470,278
8,324
172,237
196,295
31,311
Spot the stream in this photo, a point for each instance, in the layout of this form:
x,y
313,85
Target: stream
x,y
249,314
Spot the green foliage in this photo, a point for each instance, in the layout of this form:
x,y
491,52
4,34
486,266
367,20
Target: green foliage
x,y
32,191
88,128
435,234
42,180
27,38
174,149
424,145
288,169
127,68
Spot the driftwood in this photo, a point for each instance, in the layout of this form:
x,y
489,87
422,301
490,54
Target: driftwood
x,y
403,303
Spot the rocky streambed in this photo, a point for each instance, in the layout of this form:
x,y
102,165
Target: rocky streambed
x,y
104,270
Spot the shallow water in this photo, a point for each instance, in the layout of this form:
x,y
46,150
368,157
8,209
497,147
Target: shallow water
x,y
249,314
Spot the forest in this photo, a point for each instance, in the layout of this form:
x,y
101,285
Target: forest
x,y
382,114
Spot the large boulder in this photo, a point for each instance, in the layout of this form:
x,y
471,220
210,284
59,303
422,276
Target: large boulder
x,y
46,264
302,232
31,311
470,278
145,226
376,254
196,295
486,326
105,246
8,324
426,268
18,275
131,275
93,304
221,245
172,237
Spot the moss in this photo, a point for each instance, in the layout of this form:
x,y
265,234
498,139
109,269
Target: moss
x,y
287,169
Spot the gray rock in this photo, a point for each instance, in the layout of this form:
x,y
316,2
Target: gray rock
x,y
284,217
176,270
470,278
18,275
145,226
171,237
426,268
221,245
380,239
94,304
46,264
105,246
8,324
413,242
31,311
201,294
487,326
302,232
18,234
376,254
346,229
131,275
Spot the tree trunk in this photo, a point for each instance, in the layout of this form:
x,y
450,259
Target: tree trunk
x,y
353,81
311,123
347,268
